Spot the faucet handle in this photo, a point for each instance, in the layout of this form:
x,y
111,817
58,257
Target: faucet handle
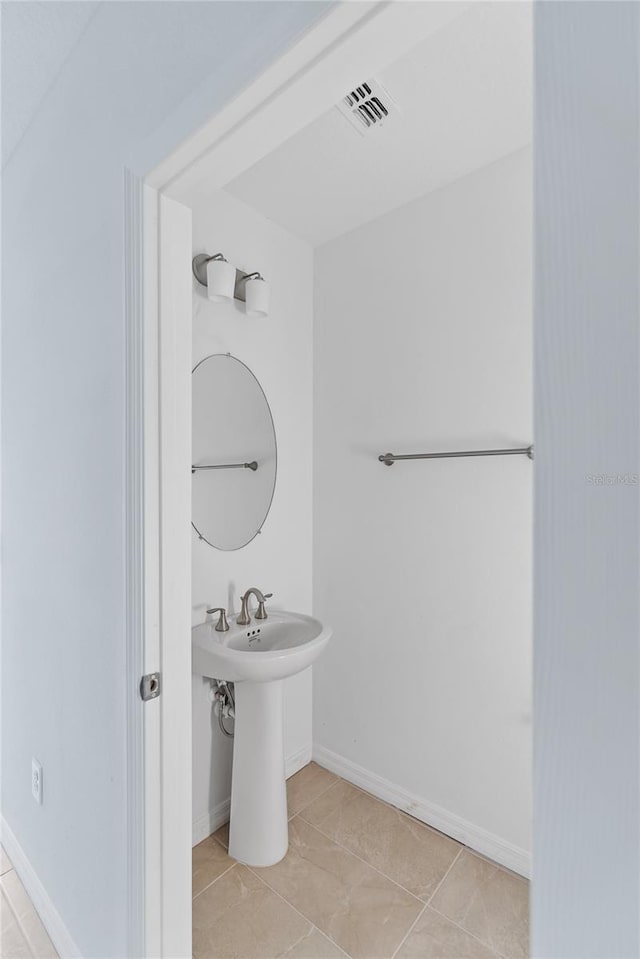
x,y
222,625
262,613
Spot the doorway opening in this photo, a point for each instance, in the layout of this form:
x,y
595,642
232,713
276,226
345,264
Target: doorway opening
x,y
379,178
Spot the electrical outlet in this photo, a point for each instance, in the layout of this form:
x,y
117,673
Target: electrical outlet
x,y
36,781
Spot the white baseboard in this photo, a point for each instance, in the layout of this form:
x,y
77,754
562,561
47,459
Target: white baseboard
x,y
477,838
211,821
219,815
296,761
49,915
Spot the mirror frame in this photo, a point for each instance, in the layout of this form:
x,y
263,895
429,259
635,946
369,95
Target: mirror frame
x,y
204,539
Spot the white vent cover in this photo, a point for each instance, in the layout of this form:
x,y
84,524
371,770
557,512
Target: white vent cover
x,y
367,106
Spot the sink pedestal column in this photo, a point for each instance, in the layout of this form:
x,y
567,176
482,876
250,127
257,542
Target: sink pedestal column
x,y
258,834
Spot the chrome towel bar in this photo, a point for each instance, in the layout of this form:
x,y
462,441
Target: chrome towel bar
x,y
390,458
228,466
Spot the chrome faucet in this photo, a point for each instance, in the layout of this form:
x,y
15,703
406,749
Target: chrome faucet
x,y
222,625
244,618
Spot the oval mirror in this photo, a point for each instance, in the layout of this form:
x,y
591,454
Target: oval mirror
x,y
234,456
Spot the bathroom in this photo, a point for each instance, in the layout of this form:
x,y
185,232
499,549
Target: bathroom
x,y
390,355
398,259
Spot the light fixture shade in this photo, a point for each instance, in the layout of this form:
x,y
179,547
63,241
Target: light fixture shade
x,y
221,279
257,293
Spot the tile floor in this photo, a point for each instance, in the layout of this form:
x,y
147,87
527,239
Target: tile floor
x,y
22,934
362,880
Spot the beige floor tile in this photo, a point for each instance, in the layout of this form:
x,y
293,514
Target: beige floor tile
x,y
29,920
488,902
434,937
362,911
329,802
307,785
13,944
5,862
314,945
402,848
209,860
238,917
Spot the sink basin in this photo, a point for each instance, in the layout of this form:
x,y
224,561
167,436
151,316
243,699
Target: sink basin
x,y
258,658
265,650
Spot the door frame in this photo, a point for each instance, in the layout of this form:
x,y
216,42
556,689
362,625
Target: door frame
x,y
352,42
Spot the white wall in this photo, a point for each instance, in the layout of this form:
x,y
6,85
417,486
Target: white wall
x,y
423,342
141,77
279,352
587,384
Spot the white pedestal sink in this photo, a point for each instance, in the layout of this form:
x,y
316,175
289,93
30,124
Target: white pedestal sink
x,y
257,658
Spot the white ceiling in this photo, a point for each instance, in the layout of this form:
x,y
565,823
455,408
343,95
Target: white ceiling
x,y
465,99
37,38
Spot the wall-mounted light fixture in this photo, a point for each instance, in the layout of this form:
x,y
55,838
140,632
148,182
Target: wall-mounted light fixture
x,y
257,292
224,282
221,278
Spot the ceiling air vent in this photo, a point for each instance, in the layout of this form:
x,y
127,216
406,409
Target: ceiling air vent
x,y
367,106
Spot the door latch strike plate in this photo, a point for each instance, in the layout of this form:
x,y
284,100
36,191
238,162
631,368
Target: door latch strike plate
x,y
150,686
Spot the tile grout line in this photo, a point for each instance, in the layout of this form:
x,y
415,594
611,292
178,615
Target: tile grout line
x,y
21,926
418,822
310,930
339,779
460,851
496,865
409,931
427,826
329,814
482,942
219,841
404,812
426,903
364,861
295,909
452,921
323,793
344,848
16,919
289,818
213,881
